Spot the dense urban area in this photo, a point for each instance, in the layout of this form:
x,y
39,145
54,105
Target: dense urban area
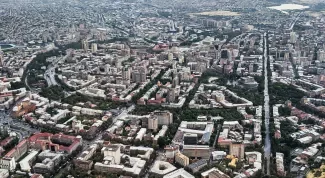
x,y
162,89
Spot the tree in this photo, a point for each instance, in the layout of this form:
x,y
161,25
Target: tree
x,y
111,176
53,92
162,142
318,173
284,111
17,85
98,157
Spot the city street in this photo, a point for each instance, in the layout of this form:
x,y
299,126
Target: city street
x,y
21,128
49,74
267,145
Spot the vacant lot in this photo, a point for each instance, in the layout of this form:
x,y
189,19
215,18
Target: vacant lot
x,y
217,13
315,14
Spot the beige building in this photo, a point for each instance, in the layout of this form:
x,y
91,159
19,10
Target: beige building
x,y
153,123
94,47
182,159
9,160
8,163
197,151
238,150
85,45
112,151
164,117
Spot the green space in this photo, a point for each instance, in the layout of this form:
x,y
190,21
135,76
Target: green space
x,y
62,84
280,93
40,60
36,81
54,92
191,114
51,111
284,111
5,134
100,103
153,82
165,14
294,67
227,114
17,85
6,46
63,120
73,45
130,60
34,71
20,175
254,95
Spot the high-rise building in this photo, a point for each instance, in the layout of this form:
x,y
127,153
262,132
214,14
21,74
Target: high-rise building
x,y
273,41
143,76
224,54
94,47
164,117
118,64
175,82
112,151
81,26
170,56
126,73
136,76
182,159
321,55
181,58
102,36
171,96
153,123
251,43
44,37
85,45
139,76
293,37
238,150
286,56
1,58
251,68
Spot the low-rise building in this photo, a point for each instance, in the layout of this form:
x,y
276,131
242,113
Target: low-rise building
x,y
279,164
217,174
218,155
26,163
49,161
57,142
179,173
83,161
214,173
9,160
161,168
4,173
198,165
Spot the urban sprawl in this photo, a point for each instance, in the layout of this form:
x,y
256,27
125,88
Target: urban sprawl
x,y
162,89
